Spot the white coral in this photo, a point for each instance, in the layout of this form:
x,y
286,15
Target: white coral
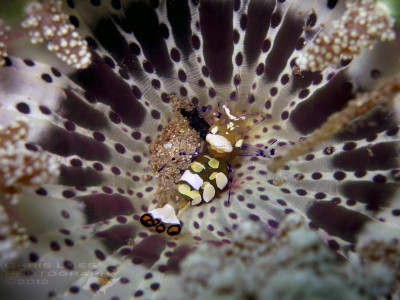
x,y
362,25
19,167
4,29
46,21
294,264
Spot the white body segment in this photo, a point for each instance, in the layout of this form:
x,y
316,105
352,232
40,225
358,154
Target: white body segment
x,y
221,180
208,192
166,214
193,179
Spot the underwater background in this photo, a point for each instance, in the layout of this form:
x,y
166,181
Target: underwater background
x,y
85,90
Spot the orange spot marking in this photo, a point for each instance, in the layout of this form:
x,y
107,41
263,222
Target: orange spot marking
x,y
147,220
160,228
174,229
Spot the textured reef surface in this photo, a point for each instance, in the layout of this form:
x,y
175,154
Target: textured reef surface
x,y
90,141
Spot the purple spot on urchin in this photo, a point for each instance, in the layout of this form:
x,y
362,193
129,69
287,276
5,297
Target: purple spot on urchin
x,y
233,216
301,192
339,175
392,131
33,257
98,166
317,79
45,110
155,114
171,244
122,219
273,223
142,234
124,280
68,265
312,226
236,36
29,62
196,225
309,157
65,214
41,191
275,19
33,239
55,72
254,217
281,202
266,45
114,117
334,245
360,173
107,190
120,148
54,246
69,125
349,146
239,59
196,42
316,175
125,251
94,286
304,93
69,242
68,194
99,136
47,78
74,289
115,170
162,268
243,22
99,254
138,293
379,178
148,67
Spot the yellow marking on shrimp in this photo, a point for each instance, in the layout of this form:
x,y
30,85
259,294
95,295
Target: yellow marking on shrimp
x,y
197,167
213,163
212,176
205,184
184,189
239,143
197,199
